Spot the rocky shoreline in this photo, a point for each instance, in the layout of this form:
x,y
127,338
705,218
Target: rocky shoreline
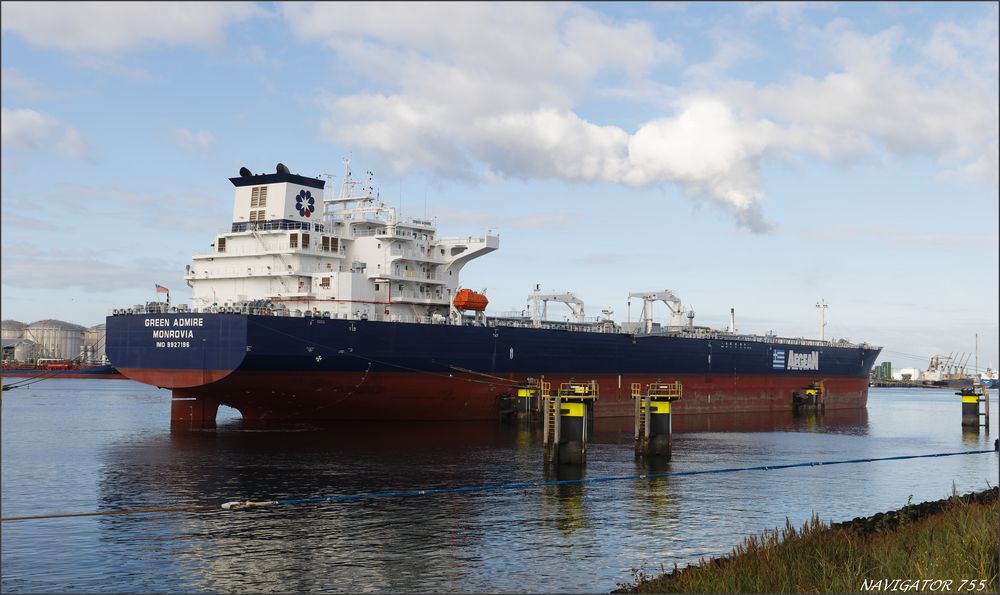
x,y
889,521
859,528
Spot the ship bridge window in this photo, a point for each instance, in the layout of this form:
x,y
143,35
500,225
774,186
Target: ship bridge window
x,y
222,245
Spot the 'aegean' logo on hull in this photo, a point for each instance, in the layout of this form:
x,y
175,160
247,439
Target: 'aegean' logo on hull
x,y
803,361
795,361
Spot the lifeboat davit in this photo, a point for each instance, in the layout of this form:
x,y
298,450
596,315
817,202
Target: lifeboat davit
x,y
466,299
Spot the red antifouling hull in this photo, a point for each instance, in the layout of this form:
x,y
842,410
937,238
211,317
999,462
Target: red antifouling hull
x,y
265,396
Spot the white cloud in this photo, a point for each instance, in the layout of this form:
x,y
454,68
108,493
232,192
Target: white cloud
x,y
196,141
786,14
970,49
896,238
34,130
731,48
112,27
88,274
13,81
709,152
873,104
480,90
94,195
540,220
17,220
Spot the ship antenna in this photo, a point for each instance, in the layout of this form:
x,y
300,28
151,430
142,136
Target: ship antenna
x,y
344,188
822,305
329,182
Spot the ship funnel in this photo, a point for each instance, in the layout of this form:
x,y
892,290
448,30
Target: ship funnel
x,y
281,169
245,173
732,320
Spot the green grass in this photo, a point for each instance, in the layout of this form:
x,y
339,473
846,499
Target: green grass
x,y
958,542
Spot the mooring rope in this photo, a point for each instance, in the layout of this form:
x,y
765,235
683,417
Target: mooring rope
x,y
483,488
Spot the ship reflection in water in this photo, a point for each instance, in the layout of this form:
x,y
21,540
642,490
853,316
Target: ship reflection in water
x,y
581,537
461,542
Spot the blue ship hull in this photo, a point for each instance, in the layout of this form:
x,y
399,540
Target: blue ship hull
x,y
273,367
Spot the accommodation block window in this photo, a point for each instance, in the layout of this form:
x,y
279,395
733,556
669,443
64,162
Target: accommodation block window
x,y
293,240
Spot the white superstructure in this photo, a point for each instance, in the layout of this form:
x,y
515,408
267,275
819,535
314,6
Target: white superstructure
x,y
348,256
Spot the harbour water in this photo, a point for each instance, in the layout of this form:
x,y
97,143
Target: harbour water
x,y
72,446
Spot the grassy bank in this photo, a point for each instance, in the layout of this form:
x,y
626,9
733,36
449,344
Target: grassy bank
x,y
953,539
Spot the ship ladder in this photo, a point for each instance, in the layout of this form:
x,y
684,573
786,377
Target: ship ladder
x,y
531,395
641,412
550,428
983,396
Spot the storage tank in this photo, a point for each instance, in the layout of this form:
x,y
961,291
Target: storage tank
x,y
56,338
24,351
93,343
12,329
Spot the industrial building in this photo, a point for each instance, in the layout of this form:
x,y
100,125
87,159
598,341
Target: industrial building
x,y
51,340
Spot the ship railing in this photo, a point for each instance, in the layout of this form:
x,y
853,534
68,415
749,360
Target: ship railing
x,y
726,336
552,325
416,295
150,308
465,240
427,256
515,314
395,233
387,232
418,276
276,225
240,272
312,249
417,319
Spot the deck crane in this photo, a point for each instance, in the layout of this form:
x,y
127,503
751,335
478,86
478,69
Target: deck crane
x,y
540,304
667,297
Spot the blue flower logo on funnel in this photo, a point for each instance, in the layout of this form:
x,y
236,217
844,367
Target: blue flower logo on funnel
x,y
305,203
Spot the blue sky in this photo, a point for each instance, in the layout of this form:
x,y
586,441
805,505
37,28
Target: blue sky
x,y
760,157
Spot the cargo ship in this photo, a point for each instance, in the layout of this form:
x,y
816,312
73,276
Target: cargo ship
x,y
332,307
59,369
988,378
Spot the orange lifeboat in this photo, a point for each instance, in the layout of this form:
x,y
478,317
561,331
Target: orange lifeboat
x,y
466,299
